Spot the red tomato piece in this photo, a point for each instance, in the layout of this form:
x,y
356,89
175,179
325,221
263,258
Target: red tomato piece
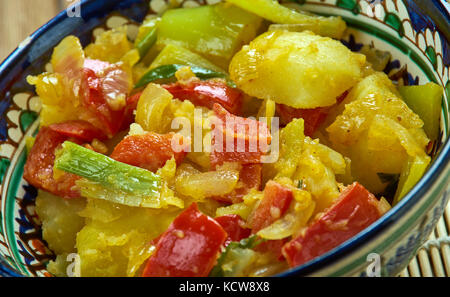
x,y
189,248
234,226
132,102
81,130
313,118
112,80
106,118
274,204
237,139
355,210
249,178
38,170
274,247
149,151
207,93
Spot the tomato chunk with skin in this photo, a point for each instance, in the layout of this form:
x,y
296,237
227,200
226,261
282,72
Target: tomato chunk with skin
x,y
274,204
110,120
313,118
38,170
189,248
233,225
81,130
355,210
207,93
250,177
275,247
237,139
132,102
149,151
276,201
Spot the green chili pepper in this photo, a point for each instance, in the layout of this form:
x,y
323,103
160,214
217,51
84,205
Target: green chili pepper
x,y
147,36
166,72
144,46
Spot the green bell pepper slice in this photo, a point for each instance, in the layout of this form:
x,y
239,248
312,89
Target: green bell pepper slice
x,y
425,101
273,11
216,32
413,171
147,36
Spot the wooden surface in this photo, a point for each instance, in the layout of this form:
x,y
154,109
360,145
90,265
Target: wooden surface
x,y
20,18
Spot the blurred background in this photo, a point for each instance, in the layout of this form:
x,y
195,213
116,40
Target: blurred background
x,y
20,18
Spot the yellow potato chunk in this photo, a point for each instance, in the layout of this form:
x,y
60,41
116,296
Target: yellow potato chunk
x,y
116,240
377,131
299,69
376,94
60,265
60,221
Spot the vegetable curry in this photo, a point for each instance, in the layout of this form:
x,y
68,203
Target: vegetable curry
x,y
235,139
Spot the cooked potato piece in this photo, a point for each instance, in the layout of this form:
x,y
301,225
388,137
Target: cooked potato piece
x,y
377,131
59,266
375,95
116,238
60,221
299,69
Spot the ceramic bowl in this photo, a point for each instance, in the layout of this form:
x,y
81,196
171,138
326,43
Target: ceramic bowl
x,y
417,35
